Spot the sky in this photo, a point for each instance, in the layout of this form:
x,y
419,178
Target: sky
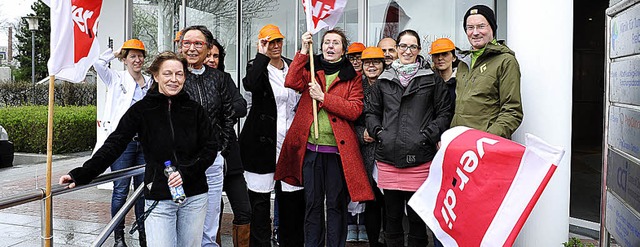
x,y
10,12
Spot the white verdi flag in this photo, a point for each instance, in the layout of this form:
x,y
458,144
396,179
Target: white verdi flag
x,y
481,187
323,14
74,46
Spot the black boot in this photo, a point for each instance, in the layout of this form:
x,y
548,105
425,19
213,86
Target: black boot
x,y
119,239
142,237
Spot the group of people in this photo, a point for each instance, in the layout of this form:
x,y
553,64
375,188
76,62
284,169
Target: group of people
x,y
358,138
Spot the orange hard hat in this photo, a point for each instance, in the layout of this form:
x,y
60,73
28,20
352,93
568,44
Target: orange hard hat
x,y
133,44
271,31
442,45
372,52
178,34
355,47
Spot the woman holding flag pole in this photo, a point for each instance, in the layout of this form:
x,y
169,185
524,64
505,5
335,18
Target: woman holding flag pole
x,y
328,161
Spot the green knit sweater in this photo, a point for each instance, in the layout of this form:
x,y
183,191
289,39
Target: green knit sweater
x,y
325,131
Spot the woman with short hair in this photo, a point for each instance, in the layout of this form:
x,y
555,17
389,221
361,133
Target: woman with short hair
x,y
329,166
172,128
219,96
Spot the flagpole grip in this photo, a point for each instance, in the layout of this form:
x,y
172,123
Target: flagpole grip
x,y
315,102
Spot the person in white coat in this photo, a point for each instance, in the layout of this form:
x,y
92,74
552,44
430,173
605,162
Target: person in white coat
x,y
124,88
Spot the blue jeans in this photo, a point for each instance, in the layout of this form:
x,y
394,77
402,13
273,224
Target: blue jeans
x,y
215,178
132,156
173,224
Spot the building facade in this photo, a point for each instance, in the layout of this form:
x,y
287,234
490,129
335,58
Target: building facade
x,y
533,29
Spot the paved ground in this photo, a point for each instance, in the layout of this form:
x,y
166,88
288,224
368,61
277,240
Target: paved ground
x,y
78,216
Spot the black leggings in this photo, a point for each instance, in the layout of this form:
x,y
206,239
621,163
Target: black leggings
x,y
236,189
291,222
374,214
396,202
291,212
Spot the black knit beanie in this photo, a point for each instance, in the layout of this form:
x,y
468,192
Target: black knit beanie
x,y
484,11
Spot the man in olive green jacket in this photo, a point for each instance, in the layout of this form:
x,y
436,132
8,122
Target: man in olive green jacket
x,y
488,91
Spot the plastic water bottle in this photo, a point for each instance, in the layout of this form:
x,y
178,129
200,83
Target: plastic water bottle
x,y
177,193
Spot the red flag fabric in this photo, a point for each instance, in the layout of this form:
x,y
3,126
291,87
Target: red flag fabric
x,y
323,14
74,46
481,187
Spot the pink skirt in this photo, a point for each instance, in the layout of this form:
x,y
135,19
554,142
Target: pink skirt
x,y
404,179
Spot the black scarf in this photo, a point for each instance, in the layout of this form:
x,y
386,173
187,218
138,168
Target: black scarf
x,y
332,68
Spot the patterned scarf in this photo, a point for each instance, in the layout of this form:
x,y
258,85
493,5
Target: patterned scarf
x,y
405,71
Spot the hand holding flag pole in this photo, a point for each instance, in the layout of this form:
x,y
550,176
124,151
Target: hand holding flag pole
x,y
319,15
307,47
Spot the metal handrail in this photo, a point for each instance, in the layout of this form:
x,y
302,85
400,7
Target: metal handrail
x,y
106,231
39,194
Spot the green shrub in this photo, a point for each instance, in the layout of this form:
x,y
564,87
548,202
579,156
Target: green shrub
x,y
575,242
74,128
65,94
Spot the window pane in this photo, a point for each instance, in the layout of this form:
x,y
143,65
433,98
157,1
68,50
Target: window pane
x,y
258,13
155,24
220,17
432,19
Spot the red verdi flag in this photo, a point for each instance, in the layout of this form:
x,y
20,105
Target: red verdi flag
x,y
481,187
74,47
323,14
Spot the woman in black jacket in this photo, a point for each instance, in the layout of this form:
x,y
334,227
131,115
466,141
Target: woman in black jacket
x,y
372,66
217,93
272,111
173,128
408,110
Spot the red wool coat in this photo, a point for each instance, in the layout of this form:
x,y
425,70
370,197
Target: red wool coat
x,y
343,103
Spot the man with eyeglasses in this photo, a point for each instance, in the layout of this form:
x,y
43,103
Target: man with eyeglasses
x,y
388,46
217,93
488,89
354,52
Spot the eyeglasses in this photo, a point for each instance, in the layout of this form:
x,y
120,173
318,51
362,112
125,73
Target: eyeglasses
x,y
374,62
354,58
187,44
404,47
481,27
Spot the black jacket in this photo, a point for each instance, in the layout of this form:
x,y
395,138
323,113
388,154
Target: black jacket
x,y
169,128
407,123
258,137
233,162
367,149
217,93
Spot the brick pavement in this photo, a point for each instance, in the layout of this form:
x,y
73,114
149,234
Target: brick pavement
x,y
78,216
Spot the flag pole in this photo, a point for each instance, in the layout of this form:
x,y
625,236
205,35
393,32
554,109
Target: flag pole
x,y
48,200
308,15
315,102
